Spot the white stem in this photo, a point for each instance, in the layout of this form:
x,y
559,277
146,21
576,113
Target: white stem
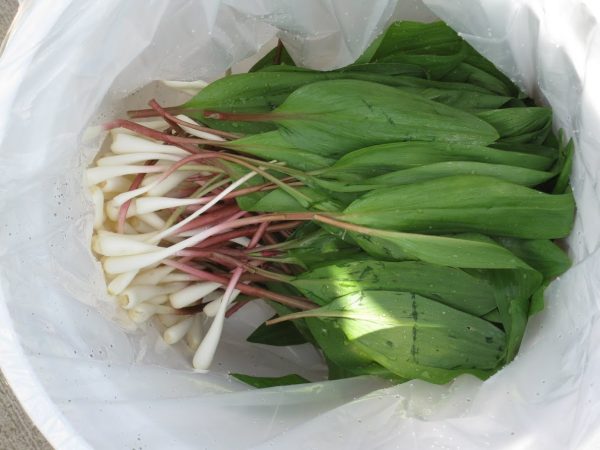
x,y
197,133
119,264
154,220
142,312
128,143
192,294
206,207
154,276
95,175
115,184
98,200
145,205
175,333
206,351
168,184
112,210
120,282
168,320
125,196
141,226
158,300
194,334
114,244
178,277
137,294
133,158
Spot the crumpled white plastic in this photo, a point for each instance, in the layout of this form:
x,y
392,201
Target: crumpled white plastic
x,y
86,381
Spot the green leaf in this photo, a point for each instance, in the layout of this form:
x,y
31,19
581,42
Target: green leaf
x,y
565,165
465,203
280,335
543,255
248,92
391,68
475,59
384,158
520,124
270,146
435,66
535,149
537,299
415,337
335,117
416,37
451,251
467,73
267,382
517,175
448,285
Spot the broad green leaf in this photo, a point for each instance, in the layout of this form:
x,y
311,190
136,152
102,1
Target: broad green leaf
x,y
248,92
453,287
322,248
384,158
385,69
517,175
270,146
543,255
534,149
465,203
467,73
267,382
441,250
520,124
463,100
475,59
513,290
565,164
335,117
281,335
537,299
415,337
420,38
435,66
344,355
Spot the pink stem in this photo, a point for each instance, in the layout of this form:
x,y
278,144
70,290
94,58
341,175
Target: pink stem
x,y
214,216
166,116
294,302
125,206
253,242
181,142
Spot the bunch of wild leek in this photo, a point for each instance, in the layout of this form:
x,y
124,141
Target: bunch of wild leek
x,y
397,213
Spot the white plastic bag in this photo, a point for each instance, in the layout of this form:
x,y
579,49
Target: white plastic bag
x,y
86,381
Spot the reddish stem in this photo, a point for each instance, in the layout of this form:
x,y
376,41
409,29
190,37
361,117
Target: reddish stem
x,y
250,190
294,302
137,181
278,52
176,121
166,116
146,113
215,215
224,237
180,142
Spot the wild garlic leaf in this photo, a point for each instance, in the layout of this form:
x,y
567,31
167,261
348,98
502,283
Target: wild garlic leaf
x,y
267,382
